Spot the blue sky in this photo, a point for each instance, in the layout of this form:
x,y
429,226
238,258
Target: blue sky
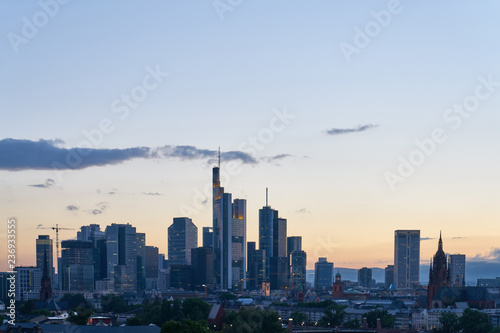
x,y
226,81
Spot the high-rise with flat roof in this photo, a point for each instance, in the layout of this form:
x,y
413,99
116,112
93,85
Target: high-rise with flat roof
x,y
238,243
406,258
323,274
364,277
389,276
121,254
44,245
182,237
456,263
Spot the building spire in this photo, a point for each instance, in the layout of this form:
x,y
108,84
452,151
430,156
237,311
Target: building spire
x,y
440,245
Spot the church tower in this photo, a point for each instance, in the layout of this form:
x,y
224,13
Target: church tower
x,y
439,274
338,287
46,287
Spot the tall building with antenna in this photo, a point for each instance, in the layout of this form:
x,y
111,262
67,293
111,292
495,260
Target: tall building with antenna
x,y
229,236
272,239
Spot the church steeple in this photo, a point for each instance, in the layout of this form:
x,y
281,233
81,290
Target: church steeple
x,y
440,245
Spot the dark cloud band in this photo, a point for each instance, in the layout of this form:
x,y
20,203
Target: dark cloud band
x,y
18,155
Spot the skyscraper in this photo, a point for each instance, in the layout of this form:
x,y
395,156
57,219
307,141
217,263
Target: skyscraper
x,y
141,260
77,266
298,270
364,277
238,243
224,220
456,263
208,237
44,245
389,276
267,215
323,274
406,258
202,264
121,253
182,237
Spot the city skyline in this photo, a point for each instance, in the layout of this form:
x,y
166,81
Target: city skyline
x,y
351,146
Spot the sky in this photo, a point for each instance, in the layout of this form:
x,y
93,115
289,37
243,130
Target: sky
x,y
360,117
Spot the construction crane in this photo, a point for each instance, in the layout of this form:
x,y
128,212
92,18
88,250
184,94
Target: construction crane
x,y
57,228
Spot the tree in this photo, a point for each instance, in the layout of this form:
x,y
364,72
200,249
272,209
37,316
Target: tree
x,y
27,307
474,321
2,318
495,330
81,317
298,317
42,312
195,309
253,321
75,300
449,323
334,315
171,327
177,313
166,311
113,303
188,326
353,323
386,320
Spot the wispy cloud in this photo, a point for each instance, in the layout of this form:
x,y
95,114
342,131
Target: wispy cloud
x,y
276,158
49,182
100,208
40,226
361,128
152,193
72,207
458,237
303,211
18,155
426,238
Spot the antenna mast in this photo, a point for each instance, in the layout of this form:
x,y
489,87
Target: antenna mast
x,y
219,157
267,198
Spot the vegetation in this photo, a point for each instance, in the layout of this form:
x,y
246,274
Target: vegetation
x,y
386,320
187,326
41,312
81,317
449,323
114,303
474,321
253,321
75,300
193,309
471,321
334,315
298,317
353,324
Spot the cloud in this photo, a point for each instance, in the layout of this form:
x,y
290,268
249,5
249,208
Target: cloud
x,y
303,211
100,208
274,159
49,182
72,207
18,155
152,193
494,255
40,226
426,238
361,128
458,237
